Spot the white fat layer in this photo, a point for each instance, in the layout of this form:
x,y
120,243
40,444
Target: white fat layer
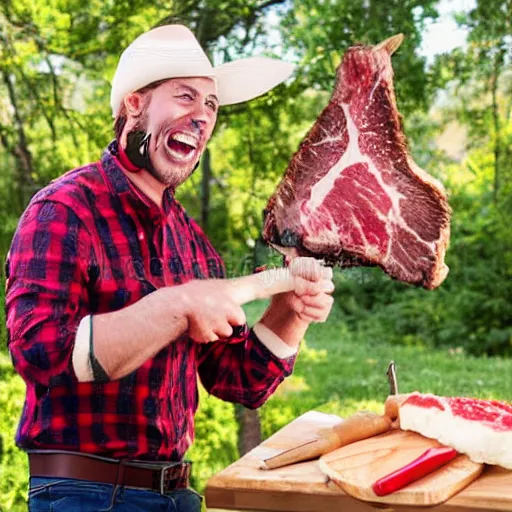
x,y
480,442
320,190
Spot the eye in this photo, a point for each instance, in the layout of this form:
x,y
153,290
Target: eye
x,y
212,105
186,96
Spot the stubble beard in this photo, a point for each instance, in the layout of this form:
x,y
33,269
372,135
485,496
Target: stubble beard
x,y
169,175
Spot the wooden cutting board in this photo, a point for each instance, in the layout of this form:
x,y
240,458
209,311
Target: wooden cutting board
x,y
303,488
357,466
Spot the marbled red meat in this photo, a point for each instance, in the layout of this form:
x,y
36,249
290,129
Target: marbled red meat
x,y
352,195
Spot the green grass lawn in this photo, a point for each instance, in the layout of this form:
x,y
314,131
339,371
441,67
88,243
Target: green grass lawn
x,y
336,372
340,373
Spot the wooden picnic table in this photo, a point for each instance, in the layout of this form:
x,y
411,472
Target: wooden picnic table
x,y
303,488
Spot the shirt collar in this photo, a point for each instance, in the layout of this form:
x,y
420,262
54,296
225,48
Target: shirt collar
x,y
122,186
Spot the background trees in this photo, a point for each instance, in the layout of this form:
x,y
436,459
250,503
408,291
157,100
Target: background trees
x,y
56,60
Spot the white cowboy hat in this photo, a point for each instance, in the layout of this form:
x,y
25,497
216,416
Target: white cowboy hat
x,y
172,51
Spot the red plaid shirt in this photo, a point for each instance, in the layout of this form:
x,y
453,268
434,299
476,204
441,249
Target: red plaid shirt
x,y
91,242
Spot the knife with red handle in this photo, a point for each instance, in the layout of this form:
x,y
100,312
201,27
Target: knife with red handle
x,y
426,463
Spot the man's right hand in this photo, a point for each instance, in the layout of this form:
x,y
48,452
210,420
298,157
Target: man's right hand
x,y
213,307
210,309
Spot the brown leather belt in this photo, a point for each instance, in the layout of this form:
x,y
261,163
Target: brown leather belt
x,y
141,474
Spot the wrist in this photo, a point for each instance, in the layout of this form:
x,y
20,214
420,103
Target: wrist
x,y
281,319
177,300
281,308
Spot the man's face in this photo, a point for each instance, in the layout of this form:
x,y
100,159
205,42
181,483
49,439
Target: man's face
x,y
180,118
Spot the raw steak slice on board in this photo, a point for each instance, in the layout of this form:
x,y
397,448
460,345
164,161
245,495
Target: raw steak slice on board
x,y
352,195
482,429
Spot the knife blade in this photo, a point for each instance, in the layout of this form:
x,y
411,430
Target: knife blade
x,y
392,379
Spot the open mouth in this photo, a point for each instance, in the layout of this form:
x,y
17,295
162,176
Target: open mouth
x,y
181,146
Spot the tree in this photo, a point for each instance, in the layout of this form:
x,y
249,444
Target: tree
x,y
319,33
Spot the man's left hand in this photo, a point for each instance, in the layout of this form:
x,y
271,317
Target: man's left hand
x,y
290,313
308,307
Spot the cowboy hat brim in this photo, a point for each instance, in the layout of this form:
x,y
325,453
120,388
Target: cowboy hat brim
x,y
246,79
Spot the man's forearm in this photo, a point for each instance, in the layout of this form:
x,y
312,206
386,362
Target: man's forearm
x,y
125,339
284,322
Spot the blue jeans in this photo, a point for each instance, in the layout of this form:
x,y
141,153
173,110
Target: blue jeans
x,y
69,495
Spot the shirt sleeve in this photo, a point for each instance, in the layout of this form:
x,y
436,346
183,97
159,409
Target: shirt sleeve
x,y
46,292
243,369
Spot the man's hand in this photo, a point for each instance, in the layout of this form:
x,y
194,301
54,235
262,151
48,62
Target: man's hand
x,y
290,313
311,277
212,306
210,309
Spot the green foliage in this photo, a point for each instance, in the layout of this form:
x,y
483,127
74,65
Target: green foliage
x,y
215,446
319,32
56,60
13,462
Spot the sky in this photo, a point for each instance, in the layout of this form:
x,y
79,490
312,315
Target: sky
x,y
443,35
439,37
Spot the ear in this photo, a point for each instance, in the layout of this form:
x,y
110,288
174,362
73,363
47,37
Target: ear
x,y
134,104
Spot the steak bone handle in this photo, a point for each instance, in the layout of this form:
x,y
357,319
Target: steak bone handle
x,y
274,281
262,285
256,286
355,428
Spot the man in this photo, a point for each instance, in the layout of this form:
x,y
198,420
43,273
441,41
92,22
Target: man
x,y
114,303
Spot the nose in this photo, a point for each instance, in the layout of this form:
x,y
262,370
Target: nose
x,y
200,123
201,118
196,124
200,113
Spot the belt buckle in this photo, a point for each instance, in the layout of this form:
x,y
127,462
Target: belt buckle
x,y
163,471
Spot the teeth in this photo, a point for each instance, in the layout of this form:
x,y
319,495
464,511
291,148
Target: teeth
x,y
185,138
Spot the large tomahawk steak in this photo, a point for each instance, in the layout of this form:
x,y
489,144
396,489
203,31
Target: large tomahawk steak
x,y
482,429
352,195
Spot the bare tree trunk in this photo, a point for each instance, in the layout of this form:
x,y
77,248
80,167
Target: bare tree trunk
x,y
249,423
498,60
20,151
249,429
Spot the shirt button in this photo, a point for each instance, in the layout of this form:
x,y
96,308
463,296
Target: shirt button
x,y
141,235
